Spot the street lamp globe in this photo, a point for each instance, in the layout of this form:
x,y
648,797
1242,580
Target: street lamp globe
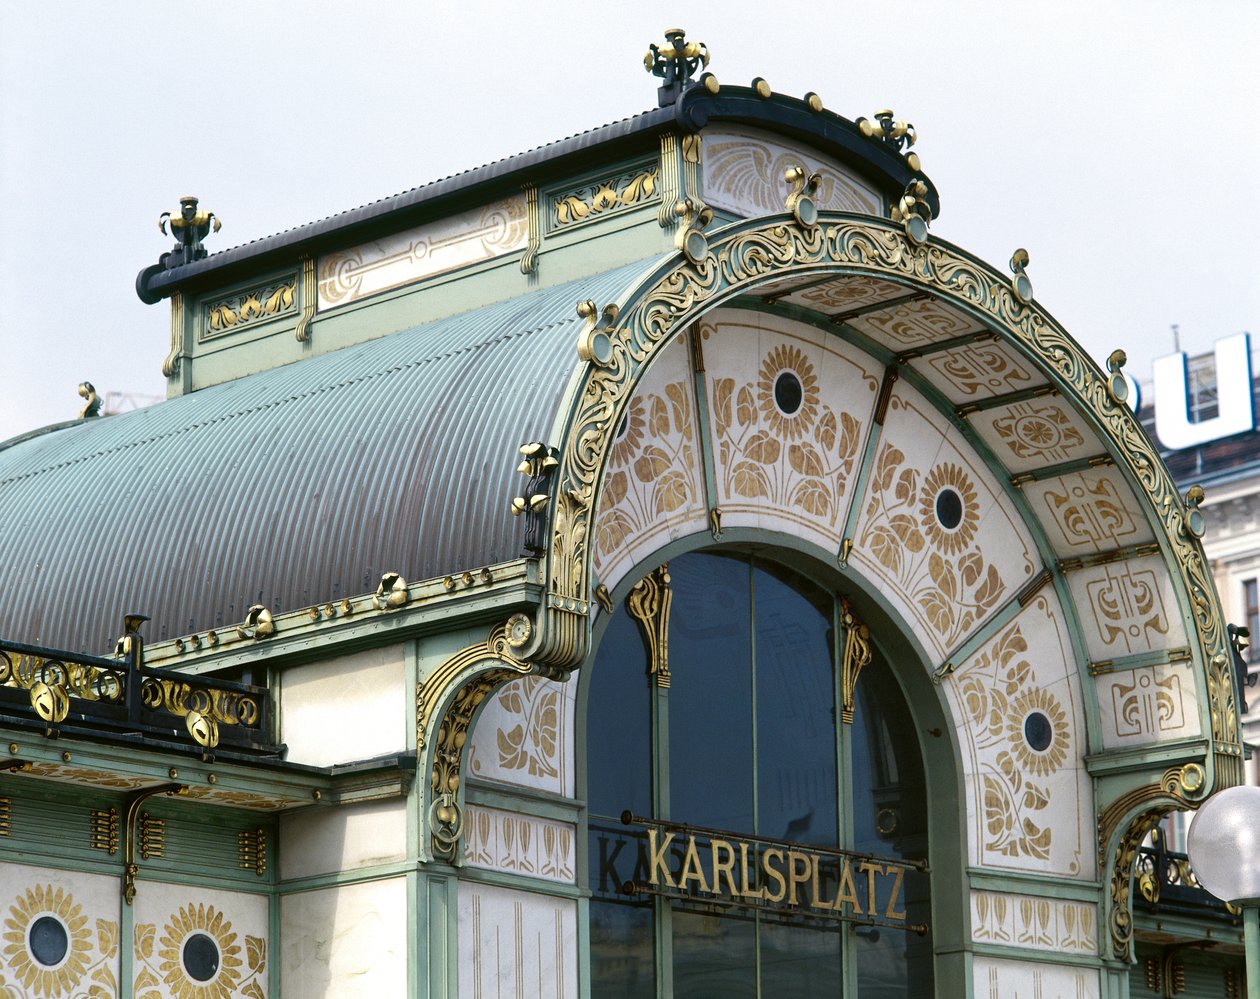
x,y
1224,845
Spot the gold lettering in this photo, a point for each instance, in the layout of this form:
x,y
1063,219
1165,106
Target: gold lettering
x,y
726,867
691,869
871,870
898,874
774,874
658,859
796,877
848,890
744,889
816,900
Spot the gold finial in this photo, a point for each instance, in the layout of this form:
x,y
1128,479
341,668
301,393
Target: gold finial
x,y
189,226
762,88
913,212
800,202
1117,384
676,62
815,102
898,134
1021,284
92,407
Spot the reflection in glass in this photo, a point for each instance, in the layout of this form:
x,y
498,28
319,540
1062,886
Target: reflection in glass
x,y
618,733
715,957
622,951
799,962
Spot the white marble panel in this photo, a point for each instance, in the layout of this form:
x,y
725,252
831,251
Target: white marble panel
x,y
1032,921
653,489
1148,704
524,735
915,324
980,369
1019,979
345,709
326,840
744,167
86,906
466,238
1127,608
1018,708
236,923
514,943
1088,512
519,844
788,470
348,942
1036,433
937,534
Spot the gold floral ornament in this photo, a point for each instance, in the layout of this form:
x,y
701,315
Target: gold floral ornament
x,y
1035,728
787,392
198,941
947,509
629,434
51,913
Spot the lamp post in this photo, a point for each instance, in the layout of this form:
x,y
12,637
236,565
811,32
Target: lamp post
x,y
1224,849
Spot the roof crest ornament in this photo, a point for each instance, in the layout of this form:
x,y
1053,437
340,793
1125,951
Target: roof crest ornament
x,y
675,62
189,226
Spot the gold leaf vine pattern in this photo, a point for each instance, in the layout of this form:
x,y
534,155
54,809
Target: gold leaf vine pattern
x,y
250,307
605,197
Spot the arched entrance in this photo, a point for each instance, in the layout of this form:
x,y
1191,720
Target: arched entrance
x,y
756,791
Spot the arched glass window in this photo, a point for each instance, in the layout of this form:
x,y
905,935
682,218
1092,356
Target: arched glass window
x,y
746,839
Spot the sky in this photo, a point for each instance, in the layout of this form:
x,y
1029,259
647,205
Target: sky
x,y
1117,141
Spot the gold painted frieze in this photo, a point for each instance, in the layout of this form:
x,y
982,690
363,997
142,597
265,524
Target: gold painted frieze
x,y
602,198
245,309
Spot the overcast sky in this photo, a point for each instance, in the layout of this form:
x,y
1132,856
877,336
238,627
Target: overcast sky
x,y
1117,141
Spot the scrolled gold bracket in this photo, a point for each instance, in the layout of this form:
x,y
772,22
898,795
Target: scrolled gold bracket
x,y
1193,523
1021,283
302,332
131,833
913,212
649,603
690,240
800,200
595,342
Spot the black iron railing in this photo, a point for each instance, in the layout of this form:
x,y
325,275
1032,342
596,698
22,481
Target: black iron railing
x,y
61,691
1166,883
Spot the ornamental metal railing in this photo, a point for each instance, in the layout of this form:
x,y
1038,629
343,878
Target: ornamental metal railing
x,y
68,692
1166,884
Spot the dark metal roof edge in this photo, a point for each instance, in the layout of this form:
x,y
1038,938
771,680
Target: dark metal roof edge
x,y
694,109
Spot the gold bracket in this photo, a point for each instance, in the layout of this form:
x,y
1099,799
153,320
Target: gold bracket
x,y
800,202
648,603
857,655
533,216
6,816
715,523
103,830
309,300
131,828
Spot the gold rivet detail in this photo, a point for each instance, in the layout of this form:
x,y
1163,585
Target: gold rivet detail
x,y
174,774
66,757
212,778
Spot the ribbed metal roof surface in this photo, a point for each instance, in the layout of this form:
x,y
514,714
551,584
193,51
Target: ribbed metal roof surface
x,y
291,487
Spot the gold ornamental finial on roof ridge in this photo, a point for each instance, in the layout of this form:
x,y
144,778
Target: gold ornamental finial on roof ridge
x,y
676,62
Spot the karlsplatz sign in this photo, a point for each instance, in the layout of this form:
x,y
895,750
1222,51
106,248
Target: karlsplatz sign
x,y
1235,411
695,864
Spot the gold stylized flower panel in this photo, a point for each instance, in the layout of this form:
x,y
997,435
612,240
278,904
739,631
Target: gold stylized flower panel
x,y
789,410
915,324
524,735
1088,512
237,969
653,490
1127,608
936,531
1019,707
1036,433
978,370
1148,704
843,295
88,966
1029,921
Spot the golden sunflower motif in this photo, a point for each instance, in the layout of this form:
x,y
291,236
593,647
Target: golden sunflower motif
x,y
47,902
629,434
947,508
199,921
1037,731
787,392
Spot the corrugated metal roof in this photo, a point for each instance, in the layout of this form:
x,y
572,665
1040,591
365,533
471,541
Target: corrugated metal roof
x,y
291,487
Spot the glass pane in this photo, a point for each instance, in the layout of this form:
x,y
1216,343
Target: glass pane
x,y
710,699
618,731
890,818
715,957
622,956
799,962
796,716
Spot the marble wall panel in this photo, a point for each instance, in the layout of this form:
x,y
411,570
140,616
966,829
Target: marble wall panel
x,y
1019,709
1148,704
978,370
467,238
1127,608
782,462
84,907
743,174
1088,512
524,736
317,841
230,927
349,941
994,978
653,490
936,532
519,844
1036,433
514,943
1031,921
345,709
